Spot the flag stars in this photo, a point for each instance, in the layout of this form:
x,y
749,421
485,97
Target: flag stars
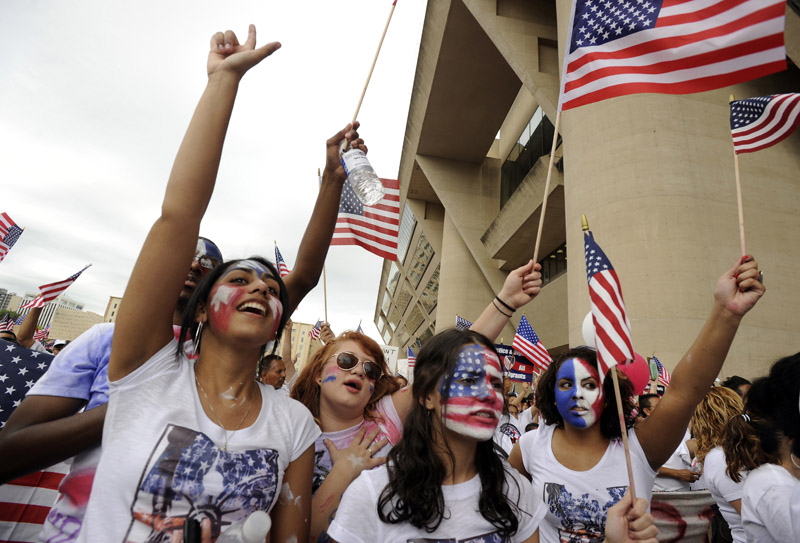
x,y
10,390
29,384
16,360
23,370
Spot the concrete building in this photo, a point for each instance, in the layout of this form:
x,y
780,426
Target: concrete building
x,y
70,323
111,309
653,173
48,312
5,298
302,344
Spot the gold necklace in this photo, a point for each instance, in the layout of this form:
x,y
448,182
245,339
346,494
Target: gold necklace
x,y
219,421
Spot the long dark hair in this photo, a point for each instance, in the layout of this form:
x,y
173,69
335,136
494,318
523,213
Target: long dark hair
x,y
416,471
609,420
770,413
203,291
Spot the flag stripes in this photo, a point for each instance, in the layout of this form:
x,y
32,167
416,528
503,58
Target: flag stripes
x,y
375,228
778,119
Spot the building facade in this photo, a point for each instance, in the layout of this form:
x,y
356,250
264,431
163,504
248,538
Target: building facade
x,y
654,174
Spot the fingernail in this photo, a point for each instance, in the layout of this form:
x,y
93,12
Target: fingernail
x,y
736,276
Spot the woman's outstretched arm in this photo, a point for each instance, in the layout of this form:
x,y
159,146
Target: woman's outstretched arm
x,y
736,292
145,315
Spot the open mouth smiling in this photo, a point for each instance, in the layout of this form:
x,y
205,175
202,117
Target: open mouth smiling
x,y
253,307
353,384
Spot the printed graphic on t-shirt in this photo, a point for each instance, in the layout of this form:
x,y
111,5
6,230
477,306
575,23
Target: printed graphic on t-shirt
x,y
187,476
583,519
511,431
493,537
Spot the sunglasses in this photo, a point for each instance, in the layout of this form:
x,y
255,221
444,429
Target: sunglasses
x,y
348,361
207,262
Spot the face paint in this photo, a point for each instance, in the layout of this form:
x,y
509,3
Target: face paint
x,y
226,297
223,304
206,247
475,400
250,265
579,395
330,375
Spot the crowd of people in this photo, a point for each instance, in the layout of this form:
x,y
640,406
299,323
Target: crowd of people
x,y
182,411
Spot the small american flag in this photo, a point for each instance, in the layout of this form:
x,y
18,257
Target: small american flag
x,y
375,228
462,323
51,291
412,359
9,234
663,374
612,329
283,269
620,47
315,332
42,334
6,324
758,123
24,502
527,342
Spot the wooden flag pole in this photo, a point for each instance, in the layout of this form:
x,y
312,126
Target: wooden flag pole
x,y
374,61
620,413
739,196
547,188
324,279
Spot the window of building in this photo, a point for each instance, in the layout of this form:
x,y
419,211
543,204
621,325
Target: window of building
x,y
394,278
404,298
406,232
554,264
422,257
394,318
430,295
535,141
387,336
427,334
387,303
415,319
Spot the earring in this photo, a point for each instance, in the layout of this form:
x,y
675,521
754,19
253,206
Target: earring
x,y
197,334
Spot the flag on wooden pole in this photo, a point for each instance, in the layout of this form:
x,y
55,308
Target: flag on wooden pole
x,y
412,359
283,269
527,342
376,227
620,47
315,332
51,291
612,329
763,121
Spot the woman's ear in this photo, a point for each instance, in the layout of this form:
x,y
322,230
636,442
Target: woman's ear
x,y
430,401
201,315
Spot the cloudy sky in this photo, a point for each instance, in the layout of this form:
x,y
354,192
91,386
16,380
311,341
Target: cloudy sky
x,y
96,96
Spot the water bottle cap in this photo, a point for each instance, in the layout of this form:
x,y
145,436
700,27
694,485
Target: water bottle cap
x,y
256,526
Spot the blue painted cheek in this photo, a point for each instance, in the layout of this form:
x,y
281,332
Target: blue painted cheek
x,y
564,397
329,379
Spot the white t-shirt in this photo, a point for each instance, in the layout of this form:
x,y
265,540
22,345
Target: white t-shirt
x,y
357,519
577,502
507,433
162,458
680,459
724,490
771,505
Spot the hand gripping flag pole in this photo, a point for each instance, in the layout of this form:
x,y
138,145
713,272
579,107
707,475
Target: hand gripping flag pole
x,y
622,350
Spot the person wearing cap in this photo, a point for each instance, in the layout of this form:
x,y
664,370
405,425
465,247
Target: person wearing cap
x,y
59,345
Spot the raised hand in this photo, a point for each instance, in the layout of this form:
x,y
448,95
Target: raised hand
x,y
228,55
739,288
333,164
522,285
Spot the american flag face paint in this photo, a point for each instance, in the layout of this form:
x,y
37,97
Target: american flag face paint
x,y
475,394
579,394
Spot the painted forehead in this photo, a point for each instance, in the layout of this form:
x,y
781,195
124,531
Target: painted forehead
x,y
572,366
251,265
206,247
476,357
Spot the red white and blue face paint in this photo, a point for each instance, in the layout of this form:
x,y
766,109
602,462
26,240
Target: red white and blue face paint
x,y
579,394
475,395
231,292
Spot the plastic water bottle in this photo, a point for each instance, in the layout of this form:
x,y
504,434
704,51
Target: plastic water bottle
x,y
251,530
362,177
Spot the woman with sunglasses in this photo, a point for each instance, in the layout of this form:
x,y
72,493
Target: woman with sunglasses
x,y
361,408
444,480
203,441
577,462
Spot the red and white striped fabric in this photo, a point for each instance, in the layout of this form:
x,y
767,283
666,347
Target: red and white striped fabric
x,y
25,503
527,342
51,291
758,123
6,222
612,328
375,228
620,47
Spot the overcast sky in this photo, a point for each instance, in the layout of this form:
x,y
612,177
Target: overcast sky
x,y
96,96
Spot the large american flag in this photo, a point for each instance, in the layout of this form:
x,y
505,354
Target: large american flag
x,y
283,269
462,323
612,329
620,47
51,291
9,234
375,228
663,375
757,123
24,502
527,342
